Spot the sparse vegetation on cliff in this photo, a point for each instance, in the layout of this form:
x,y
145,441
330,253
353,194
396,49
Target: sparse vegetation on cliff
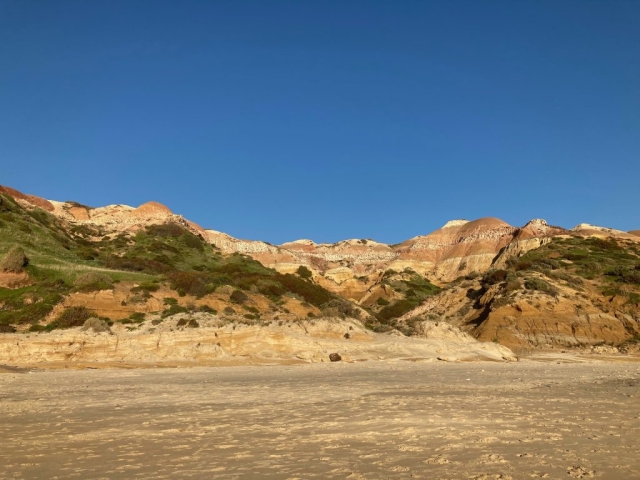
x,y
14,261
68,259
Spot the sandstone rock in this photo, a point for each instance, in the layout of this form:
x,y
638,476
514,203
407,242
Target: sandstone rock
x,y
588,230
31,199
219,341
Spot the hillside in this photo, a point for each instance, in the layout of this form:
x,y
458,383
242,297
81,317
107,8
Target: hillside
x,y
123,270
572,291
524,287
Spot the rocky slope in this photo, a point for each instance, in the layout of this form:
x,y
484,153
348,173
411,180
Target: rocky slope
x,y
211,340
349,267
571,292
440,276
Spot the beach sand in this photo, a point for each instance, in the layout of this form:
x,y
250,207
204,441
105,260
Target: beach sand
x,y
547,417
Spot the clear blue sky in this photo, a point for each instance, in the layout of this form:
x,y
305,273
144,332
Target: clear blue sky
x,y
328,120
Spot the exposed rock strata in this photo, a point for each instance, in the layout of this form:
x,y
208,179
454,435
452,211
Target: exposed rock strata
x,y
218,342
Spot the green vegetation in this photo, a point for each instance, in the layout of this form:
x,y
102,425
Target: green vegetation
x,y
304,272
70,317
64,259
411,288
93,281
238,297
610,265
14,260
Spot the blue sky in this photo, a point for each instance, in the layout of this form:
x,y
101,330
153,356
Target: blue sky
x,y
279,120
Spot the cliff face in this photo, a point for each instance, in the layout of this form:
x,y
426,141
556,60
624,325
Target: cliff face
x,y
114,219
351,268
559,287
217,342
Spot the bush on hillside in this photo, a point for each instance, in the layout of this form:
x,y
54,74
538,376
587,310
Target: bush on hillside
x,y
192,241
71,317
136,264
15,260
541,286
96,324
238,297
165,230
191,283
494,276
310,292
396,309
304,272
93,281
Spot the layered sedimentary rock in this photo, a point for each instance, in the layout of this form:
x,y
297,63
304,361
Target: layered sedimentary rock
x,y
352,268
114,219
588,230
214,341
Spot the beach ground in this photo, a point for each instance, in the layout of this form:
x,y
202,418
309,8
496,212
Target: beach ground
x,y
547,417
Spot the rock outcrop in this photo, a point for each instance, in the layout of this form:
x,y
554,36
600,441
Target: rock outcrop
x,y
217,342
351,268
357,268
588,230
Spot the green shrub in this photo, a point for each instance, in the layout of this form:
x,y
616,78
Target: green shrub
x,y
339,307
238,296
208,309
541,286
625,274
396,309
382,301
310,292
146,287
304,272
97,325
513,285
499,302
137,317
173,310
494,276
192,241
93,281
15,260
168,229
193,283
136,264
69,318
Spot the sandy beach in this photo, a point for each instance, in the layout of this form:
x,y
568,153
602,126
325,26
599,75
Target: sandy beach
x,y
552,417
